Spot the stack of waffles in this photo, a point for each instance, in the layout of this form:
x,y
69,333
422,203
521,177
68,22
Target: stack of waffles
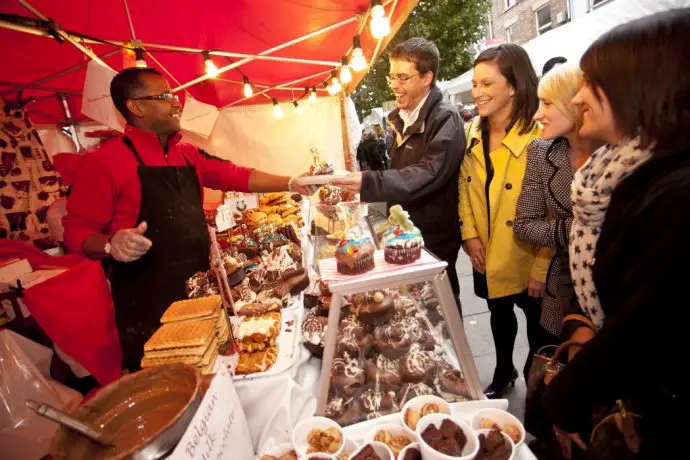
x,y
256,338
192,332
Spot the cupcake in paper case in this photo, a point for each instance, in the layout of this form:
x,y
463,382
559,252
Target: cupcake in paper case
x,y
314,333
403,241
355,255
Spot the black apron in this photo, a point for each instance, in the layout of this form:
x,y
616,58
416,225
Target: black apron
x,y
142,290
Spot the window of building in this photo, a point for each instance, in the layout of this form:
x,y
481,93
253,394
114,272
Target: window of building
x,y
509,34
544,19
511,3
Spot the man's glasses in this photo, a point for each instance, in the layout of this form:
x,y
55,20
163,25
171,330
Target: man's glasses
x,y
167,97
399,78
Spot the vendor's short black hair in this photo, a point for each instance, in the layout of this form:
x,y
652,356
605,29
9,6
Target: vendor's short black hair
x,y
421,52
125,84
551,63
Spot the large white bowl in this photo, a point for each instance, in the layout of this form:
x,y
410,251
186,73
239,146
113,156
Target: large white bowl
x,y
428,453
501,418
395,429
417,403
277,451
382,450
505,436
303,428
414,445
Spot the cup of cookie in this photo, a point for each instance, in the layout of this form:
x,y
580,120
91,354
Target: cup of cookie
x,y
283,451
373,450
393,435
442,437
495,445
318,435
349,448
421,406
505,421
410,452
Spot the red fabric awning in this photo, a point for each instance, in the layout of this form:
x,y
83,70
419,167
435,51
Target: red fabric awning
x,y
240,26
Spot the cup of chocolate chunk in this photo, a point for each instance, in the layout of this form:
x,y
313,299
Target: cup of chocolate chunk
x,y
373,451
410,452
495,445
442,437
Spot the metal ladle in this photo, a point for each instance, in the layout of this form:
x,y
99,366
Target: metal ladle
x,y
66,420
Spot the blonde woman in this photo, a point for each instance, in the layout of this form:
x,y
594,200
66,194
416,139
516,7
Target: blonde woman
x,y
506,271
544,210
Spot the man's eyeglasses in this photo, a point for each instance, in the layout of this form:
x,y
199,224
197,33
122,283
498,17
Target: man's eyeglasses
x,y
168,97
399,78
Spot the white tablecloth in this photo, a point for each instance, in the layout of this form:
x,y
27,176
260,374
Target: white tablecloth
x,y
274,405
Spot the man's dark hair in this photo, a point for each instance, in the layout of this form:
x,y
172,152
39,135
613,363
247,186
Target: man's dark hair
x,y
514,64
125,84
643,69
421,52
551,63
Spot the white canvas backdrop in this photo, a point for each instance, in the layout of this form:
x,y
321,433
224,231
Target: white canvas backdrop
x,y
251,136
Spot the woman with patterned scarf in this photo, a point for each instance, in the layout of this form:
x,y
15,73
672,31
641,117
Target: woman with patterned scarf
x,y
629,247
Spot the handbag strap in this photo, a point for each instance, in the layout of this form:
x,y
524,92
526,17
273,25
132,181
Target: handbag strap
x,y
586,322
563,347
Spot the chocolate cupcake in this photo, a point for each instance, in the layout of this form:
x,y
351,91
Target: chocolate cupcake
x,y
323,305
343,410
373,308
391,340
374,400
417,365
403,241
314,333
384,372
452,386
355,256
412,390
346,374
353,339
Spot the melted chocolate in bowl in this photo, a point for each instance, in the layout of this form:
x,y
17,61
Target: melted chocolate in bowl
x,y
153,406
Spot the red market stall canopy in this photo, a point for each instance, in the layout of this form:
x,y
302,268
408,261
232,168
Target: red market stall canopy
x,y
281,47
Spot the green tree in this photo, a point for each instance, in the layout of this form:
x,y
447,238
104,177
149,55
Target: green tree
x,y
456,26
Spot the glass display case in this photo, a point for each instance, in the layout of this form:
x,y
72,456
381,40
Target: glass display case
x,y
393,333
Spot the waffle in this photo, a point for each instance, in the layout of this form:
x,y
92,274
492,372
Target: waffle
x,y
222,328
259,328
200,308
211,351
250,347
260,361
182,334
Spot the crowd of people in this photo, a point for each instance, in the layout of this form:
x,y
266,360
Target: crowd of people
x,y
570,206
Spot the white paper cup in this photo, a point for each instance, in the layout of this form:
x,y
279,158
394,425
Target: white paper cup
x,y
428,453
303,428
348,448
380,448
500,418
414,445
318,455
280,449
395,429
505,436
417,403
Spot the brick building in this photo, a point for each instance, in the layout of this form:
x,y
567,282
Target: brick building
x,y
519,21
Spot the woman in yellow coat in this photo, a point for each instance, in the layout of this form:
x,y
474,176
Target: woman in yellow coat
x,y
506,271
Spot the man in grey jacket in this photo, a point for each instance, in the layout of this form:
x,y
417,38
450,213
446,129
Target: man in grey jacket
x,y
425,156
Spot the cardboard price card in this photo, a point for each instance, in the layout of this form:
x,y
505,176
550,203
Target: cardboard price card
x,y
224,219
242,203
219,430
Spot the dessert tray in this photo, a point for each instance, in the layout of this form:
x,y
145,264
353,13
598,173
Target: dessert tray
x,y
329,272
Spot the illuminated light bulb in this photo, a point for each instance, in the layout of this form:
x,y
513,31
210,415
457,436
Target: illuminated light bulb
x,y
335,84
277,110
298,108
140,62
247,90
380,24
211,69
345,73
312,96
358,61
377,10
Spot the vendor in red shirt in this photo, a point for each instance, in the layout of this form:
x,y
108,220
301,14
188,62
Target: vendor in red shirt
x,y
138,201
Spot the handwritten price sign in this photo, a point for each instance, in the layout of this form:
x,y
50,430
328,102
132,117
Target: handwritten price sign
x,y
224,219
219,429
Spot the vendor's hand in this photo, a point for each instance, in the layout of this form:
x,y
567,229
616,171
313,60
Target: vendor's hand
x,y
297,185
475,249
535,288
129,244
566,441
352,182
